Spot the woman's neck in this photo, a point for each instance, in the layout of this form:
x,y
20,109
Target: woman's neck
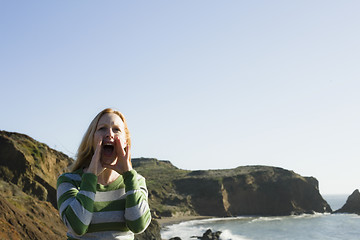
x,y
107,176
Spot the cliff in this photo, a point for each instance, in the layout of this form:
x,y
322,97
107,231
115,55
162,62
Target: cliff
x,y
352,204
247,190
28,173
31,165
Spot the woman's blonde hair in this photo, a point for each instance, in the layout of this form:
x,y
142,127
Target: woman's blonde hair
x,y
86,150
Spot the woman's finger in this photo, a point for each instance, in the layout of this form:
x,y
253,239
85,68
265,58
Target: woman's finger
x,y
98,149
119,148
95,165
127,152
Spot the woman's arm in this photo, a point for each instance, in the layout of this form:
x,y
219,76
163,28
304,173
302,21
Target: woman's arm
x,y
76,205
137,211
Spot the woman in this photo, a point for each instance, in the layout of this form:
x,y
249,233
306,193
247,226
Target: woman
x,y
103,197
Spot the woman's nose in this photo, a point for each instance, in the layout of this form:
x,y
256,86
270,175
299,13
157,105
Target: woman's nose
x,y
109,133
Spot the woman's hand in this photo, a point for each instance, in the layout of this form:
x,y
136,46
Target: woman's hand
x,y
95,166
122,163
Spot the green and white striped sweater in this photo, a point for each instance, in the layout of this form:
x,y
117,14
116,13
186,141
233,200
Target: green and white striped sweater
x,y
94,211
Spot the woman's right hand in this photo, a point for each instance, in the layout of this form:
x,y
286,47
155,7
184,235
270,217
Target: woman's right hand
x,y
95,166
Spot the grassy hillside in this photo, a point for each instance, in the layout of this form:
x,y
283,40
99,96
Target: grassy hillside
x,y
163,197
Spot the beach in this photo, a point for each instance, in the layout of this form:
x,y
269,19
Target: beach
x,y
166,221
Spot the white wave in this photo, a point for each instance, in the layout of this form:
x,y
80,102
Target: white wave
x,y
266,219
282,218
184,230
228,235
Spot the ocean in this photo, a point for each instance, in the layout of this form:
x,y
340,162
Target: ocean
x,y
305,227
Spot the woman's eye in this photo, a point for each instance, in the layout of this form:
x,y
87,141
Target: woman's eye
x,y
116,130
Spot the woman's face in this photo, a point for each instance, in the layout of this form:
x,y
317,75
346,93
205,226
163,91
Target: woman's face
x,y
108,128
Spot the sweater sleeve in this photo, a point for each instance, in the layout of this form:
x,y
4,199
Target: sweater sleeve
x,y
137,211
76,204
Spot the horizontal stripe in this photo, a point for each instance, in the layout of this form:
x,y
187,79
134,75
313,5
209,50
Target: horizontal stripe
x,y
106,217
118,205
88,194
114,235
113,226
109,196
136,212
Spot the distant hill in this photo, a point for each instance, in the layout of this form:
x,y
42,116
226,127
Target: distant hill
x,y
29,170
246,190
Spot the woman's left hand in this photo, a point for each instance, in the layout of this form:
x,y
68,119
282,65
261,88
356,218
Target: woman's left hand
x,y
122,163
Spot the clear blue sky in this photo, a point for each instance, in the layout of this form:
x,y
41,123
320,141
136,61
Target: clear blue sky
x,y
204,84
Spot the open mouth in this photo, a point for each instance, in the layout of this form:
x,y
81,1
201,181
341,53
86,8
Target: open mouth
x,y
108,149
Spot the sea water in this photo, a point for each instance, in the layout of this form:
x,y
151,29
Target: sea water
x,y
305,227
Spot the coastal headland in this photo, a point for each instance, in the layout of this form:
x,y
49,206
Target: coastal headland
x,y
29,169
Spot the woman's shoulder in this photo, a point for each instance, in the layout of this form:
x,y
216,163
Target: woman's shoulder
x,y
71,176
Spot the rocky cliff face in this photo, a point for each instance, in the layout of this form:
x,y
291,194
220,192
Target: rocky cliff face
x,y
352,204
31,165
252,190
28,173
248,190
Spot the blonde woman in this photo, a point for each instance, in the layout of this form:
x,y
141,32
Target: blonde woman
x,y
103,197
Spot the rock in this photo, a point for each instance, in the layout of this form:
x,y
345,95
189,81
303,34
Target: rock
x,y
352,204
209,235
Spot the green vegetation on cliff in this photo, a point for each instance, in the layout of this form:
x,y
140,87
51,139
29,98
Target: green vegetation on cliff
x,y
163,198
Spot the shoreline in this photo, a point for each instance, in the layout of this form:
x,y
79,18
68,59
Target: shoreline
x,y
166,221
